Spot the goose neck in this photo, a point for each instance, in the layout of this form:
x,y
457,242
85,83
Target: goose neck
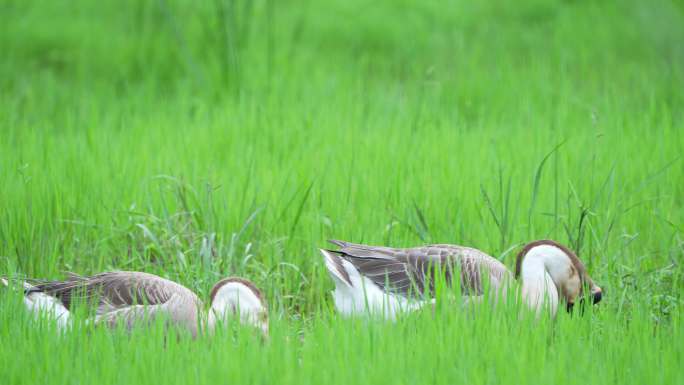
x,y
538,287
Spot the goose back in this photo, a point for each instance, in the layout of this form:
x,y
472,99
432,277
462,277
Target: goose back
x,y
116,289
411,272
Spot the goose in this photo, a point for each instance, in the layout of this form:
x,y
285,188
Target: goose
x,y
385,280
134,298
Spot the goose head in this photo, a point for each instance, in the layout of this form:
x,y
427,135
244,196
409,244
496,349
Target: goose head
x,y
238,297
552,273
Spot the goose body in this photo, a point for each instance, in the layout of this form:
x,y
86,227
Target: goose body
x,y
384,280
136,298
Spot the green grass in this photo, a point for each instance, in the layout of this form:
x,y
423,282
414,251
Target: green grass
x,y
235,137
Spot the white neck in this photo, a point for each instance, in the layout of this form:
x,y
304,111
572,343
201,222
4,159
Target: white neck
x,y
234,298
542,270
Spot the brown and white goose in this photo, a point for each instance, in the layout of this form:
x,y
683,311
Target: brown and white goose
x,y
134,298
384,280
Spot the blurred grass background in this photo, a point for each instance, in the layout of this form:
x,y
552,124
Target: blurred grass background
x,y
202,139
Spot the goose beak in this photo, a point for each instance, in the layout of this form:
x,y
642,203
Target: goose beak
x,y
596,295
569,306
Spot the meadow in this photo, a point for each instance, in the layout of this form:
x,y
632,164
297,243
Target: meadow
x,y
197,140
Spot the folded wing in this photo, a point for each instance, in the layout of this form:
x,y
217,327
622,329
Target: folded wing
x,y
413,272
115,290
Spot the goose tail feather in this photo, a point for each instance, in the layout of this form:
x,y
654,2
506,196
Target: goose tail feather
x,y
333,263
41,304
338,243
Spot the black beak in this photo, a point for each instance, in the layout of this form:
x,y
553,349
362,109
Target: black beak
x,y
569,306
596,296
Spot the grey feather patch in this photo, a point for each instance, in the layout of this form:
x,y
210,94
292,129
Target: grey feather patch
x,y
111,290
413,272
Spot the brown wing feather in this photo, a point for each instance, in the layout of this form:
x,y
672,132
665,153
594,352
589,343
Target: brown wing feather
x,y
408,271
115,289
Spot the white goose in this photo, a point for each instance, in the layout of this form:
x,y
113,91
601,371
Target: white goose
x,y
135,298
386,281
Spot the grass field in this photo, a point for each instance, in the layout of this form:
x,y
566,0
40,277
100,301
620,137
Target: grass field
x,y
197,141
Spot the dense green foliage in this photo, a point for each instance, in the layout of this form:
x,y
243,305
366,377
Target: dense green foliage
x,y
197,140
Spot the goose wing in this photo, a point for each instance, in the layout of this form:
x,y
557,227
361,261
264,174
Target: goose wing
x,y
116,290
133,315
412,271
